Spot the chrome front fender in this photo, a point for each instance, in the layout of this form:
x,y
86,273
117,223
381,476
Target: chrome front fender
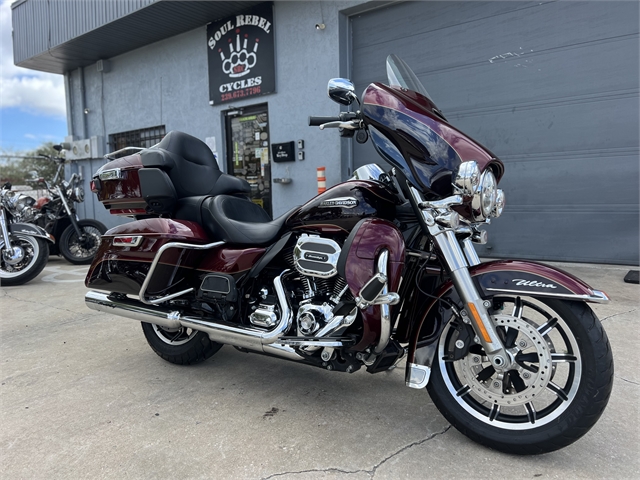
x,y
30,230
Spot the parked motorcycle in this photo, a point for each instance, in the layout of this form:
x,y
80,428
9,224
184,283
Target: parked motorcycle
x,y
23,248
76,240
376,269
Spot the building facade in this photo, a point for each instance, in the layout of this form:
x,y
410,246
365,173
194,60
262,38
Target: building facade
x,y
550,88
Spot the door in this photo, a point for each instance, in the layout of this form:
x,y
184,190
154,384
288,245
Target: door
x,y
247,131
552,89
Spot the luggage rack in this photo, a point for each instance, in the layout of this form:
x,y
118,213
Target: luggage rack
x,y
123,152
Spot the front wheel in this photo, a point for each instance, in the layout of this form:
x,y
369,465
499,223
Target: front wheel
x,y
81,250
554,391
182,346
24,261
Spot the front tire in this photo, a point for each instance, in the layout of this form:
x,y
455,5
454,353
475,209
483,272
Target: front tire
x,y
80,251
552,395
25,263
182,346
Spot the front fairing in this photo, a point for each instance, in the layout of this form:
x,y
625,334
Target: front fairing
x,y
407,132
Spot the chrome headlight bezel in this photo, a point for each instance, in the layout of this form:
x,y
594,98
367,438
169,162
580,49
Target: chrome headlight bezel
x,y
468,177
78,193
483,202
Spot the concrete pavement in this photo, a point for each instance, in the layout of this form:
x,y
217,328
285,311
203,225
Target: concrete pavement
x,y
83,396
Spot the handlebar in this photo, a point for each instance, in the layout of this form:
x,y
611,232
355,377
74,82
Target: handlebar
x,y
317,121
343,117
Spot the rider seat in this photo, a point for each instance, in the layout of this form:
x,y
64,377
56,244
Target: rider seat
x,y
237,220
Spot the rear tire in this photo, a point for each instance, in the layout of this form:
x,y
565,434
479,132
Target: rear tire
x,y
563,350
181,346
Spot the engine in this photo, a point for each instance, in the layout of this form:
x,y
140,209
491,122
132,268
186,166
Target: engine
x,y
317,289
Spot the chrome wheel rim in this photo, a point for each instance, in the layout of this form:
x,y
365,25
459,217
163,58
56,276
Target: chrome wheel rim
x,y
87,248
537,388
174,336
30,252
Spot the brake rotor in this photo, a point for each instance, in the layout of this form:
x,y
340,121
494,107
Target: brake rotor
x,y
533,375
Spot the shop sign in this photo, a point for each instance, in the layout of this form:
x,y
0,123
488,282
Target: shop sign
x,y
241,55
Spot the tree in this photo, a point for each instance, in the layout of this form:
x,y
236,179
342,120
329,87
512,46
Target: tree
x,y
16,166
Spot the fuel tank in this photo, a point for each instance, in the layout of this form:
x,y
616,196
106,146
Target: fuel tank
x,y
342,206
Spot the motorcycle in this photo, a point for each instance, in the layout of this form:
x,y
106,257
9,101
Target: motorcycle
x,y
23,248
375,270
76,240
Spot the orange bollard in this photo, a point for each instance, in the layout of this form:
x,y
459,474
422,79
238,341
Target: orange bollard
x,y
322,180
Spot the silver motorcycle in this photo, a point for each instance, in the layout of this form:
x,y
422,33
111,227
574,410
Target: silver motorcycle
x,y
23,247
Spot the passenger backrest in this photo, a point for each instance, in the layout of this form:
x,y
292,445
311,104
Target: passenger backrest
x,y
188,161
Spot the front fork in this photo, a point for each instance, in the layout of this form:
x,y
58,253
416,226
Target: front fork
x,y
70,211
458,259
6,239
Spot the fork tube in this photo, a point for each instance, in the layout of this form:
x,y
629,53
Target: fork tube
x,y
474,306
3,227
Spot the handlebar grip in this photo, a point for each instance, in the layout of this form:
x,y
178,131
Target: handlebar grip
x,y
317,121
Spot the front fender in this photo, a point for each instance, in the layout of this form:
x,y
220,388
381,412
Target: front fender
x,y
31,230
532,279
514,277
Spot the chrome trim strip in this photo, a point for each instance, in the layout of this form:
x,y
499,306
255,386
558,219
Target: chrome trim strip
x,y
111,156
598,297
304,343
161,250
417,376
137,240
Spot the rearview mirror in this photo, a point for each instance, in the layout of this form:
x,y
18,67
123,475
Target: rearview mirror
x,y
342,91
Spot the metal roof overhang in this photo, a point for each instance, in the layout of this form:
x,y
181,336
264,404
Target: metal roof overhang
x,y
150,24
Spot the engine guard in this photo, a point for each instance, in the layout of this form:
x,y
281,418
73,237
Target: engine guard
x,y
503,276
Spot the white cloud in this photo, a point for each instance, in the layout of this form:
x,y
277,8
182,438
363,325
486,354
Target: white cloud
x,y
35,92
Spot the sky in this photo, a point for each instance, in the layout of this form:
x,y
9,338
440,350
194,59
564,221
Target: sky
x,y
32,103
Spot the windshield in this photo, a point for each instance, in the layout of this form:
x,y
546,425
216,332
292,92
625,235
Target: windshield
x,y
400,74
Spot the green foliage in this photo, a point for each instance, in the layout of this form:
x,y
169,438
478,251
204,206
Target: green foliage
x,y
15,167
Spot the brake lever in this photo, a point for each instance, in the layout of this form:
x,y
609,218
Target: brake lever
x,y
351,125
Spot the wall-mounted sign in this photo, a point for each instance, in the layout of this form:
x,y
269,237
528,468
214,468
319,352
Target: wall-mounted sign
x,y
241,55
283,152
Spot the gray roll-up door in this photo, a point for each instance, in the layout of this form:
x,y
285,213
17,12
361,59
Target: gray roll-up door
x,y
552,89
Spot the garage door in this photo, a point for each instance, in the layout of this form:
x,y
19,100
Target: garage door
x,y
552,89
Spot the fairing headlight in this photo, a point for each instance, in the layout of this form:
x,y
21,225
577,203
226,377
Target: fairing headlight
x,y
78,192
499,207
484,201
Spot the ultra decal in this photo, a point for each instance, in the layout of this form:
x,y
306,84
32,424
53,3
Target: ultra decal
x,y
241,55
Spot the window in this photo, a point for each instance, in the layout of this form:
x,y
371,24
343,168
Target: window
x,y
145,138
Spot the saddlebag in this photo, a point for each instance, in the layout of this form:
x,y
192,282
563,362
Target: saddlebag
x,y
126,252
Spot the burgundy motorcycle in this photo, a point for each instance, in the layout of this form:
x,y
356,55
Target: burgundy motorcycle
x,y
375,270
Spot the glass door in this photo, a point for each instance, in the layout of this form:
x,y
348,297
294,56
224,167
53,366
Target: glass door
x,y
248,157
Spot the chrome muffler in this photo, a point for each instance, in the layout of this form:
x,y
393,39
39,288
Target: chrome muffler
x,y
238,336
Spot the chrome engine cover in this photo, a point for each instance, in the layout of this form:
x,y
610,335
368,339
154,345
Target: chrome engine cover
x,y
316,256
311,317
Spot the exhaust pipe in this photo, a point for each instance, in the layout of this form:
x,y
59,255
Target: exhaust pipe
x,y
235,335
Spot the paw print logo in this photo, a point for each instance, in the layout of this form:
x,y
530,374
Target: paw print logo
x,y
240,61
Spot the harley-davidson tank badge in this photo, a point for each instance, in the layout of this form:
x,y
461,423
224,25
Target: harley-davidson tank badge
x,y
344,202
